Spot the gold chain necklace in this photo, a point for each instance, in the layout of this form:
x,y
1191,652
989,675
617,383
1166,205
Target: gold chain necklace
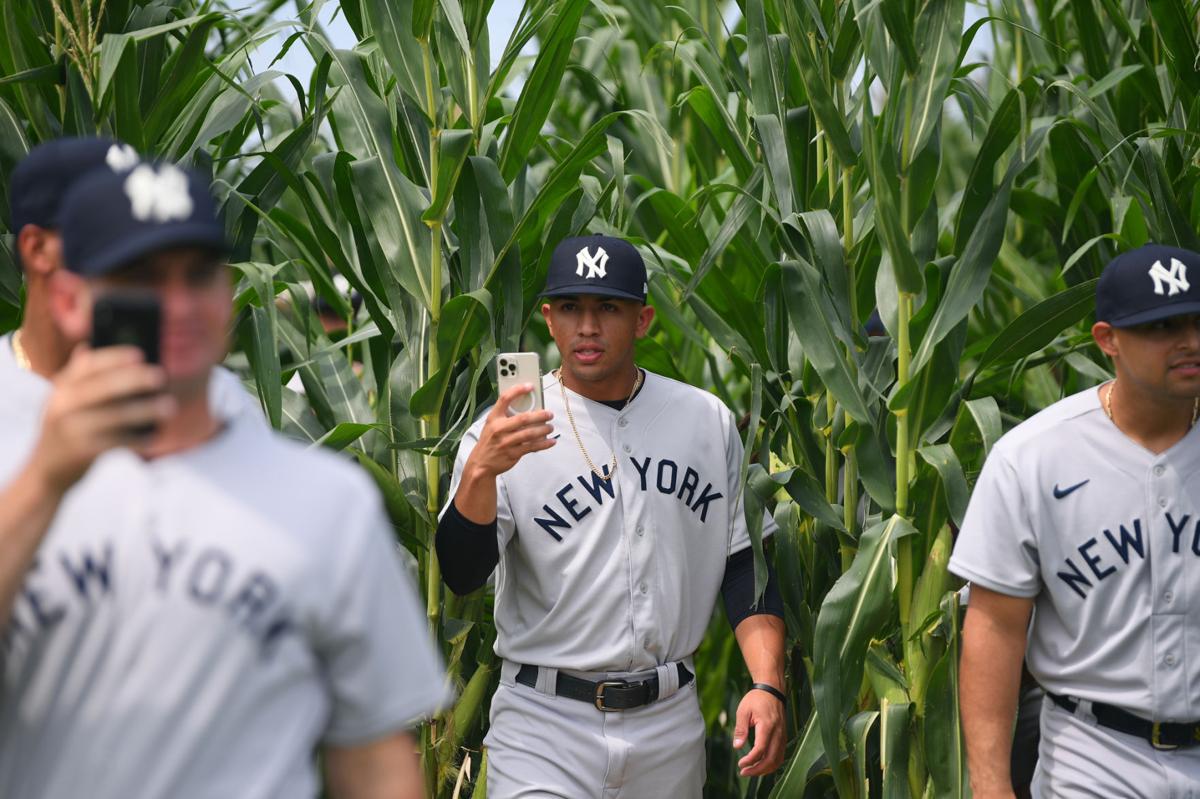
x,y
19,353
612,469
1108,406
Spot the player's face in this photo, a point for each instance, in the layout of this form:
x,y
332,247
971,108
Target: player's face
x,y
197,304
1161,358
595,337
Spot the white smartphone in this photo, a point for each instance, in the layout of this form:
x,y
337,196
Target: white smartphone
x,y
515,368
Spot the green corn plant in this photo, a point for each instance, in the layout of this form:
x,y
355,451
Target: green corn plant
x,y
788,169
174,79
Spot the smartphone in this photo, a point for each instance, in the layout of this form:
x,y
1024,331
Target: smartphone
x,y
132,318
515,368
128,318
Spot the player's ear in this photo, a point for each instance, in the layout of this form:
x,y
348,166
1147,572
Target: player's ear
x,y
546,316
645,317
70,305
1106,338
39,249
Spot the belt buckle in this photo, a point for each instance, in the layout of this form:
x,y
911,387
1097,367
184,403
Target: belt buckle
x,y
599,701
1156,739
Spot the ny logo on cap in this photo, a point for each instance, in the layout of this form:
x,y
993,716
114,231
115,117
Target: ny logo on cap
x,y
158,196
1176,279
121,157
595,264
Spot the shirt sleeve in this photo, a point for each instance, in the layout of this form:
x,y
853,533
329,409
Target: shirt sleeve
x,y
737,589
739,537
382,670
997,547
467,551
230,399
505,526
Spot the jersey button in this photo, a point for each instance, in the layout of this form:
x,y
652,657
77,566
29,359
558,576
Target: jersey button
x,y
623,422
643,588
626,448
1162,502
641,529
1158,471
1168,597
1169,659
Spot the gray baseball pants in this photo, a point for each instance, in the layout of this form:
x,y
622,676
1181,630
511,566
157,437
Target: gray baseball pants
x,y
1078,758
542,746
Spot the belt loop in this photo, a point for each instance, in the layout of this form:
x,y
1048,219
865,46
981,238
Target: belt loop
x,y
668,679
1083,710
547,681
508,672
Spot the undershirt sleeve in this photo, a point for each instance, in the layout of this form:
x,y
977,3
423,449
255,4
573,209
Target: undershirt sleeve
x,y
737,589
468,552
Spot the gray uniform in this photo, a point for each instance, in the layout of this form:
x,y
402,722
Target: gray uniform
x,y
194,625
612,578
24,393
1105,536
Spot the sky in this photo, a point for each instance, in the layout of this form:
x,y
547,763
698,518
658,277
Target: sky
x,y
501,21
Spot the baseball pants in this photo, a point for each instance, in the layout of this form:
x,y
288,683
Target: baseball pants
x,y
542,746
1078,758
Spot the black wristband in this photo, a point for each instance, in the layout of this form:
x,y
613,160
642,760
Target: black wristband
x,y
771,689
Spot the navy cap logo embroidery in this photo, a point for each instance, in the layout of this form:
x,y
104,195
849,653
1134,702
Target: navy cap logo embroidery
x,y
596,265
121,157
1175,279
158,196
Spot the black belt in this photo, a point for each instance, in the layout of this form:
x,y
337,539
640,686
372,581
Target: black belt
x,y
1161,734
606,695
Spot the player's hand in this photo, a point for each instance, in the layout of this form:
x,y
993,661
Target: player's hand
x,y
763,713
97,401
506,439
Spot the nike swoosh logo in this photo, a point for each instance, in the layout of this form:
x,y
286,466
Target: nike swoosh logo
x,y
1059,493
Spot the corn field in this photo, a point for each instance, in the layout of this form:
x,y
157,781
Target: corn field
x,y
876,245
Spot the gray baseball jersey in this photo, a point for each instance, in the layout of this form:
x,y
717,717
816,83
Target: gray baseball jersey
x,y
1105,536
25,392
617,575
194,625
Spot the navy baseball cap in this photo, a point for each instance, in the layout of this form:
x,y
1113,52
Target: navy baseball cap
x,y
1147,284
110,219
597,264
44,176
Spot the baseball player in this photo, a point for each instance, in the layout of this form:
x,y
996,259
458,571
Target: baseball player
x,y
34,353
1085,517
202,608
612,519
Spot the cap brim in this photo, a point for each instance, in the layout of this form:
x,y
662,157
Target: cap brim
x,y
591,288
1155,314
121,253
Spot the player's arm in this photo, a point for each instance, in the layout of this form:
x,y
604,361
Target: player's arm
x,y
760,632
466,539
97,399
503,441
389,768
993,649
761,639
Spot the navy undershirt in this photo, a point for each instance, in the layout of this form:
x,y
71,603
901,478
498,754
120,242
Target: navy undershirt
x,y
468,552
